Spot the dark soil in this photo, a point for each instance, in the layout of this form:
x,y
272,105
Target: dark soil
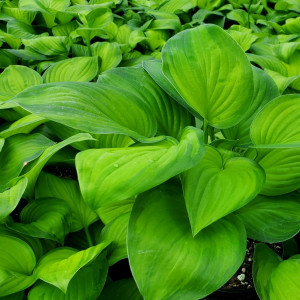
x,y
240,286
243,277
61,171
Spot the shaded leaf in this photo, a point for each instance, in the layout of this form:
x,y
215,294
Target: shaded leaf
x,y
16,265
60,265
271,219
86,284
49,185
9,199
47,218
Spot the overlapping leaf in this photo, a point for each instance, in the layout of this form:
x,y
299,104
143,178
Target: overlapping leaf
x,y
167,262
16,265
215,188
271,219
210,74
107,176
90,107
60,265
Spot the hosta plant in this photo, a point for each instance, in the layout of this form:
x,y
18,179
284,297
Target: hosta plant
x,y
174,163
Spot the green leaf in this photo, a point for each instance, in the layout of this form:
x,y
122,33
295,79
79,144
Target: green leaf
x,y
210,75
19,14
17,152
116,232
171,117
17,262
214,188
86,284
282,169
175,6
15,79
9,199
271,219
100,140
101,173
46,218
7,58
284,282
166,261
154,69
124,289
109,213
264,91
23,125
33,173
243,36
90,107
44,5
20,30
278,123
264,263
72,69
60,265
48,45
49,185
16,296
110,54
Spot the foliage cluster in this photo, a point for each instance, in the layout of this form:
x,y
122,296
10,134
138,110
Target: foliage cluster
x,y
165,132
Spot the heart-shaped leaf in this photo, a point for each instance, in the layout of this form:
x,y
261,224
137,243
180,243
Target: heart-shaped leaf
x,y
271,219
210,71
166,261
49,185
47,218
278,123
17,262
215,188
90,107
107,176
60,265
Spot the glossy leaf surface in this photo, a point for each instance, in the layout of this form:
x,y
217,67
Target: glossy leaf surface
x,y
101,172
271,219
59,266
90,107
167,262
215,188
210,75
